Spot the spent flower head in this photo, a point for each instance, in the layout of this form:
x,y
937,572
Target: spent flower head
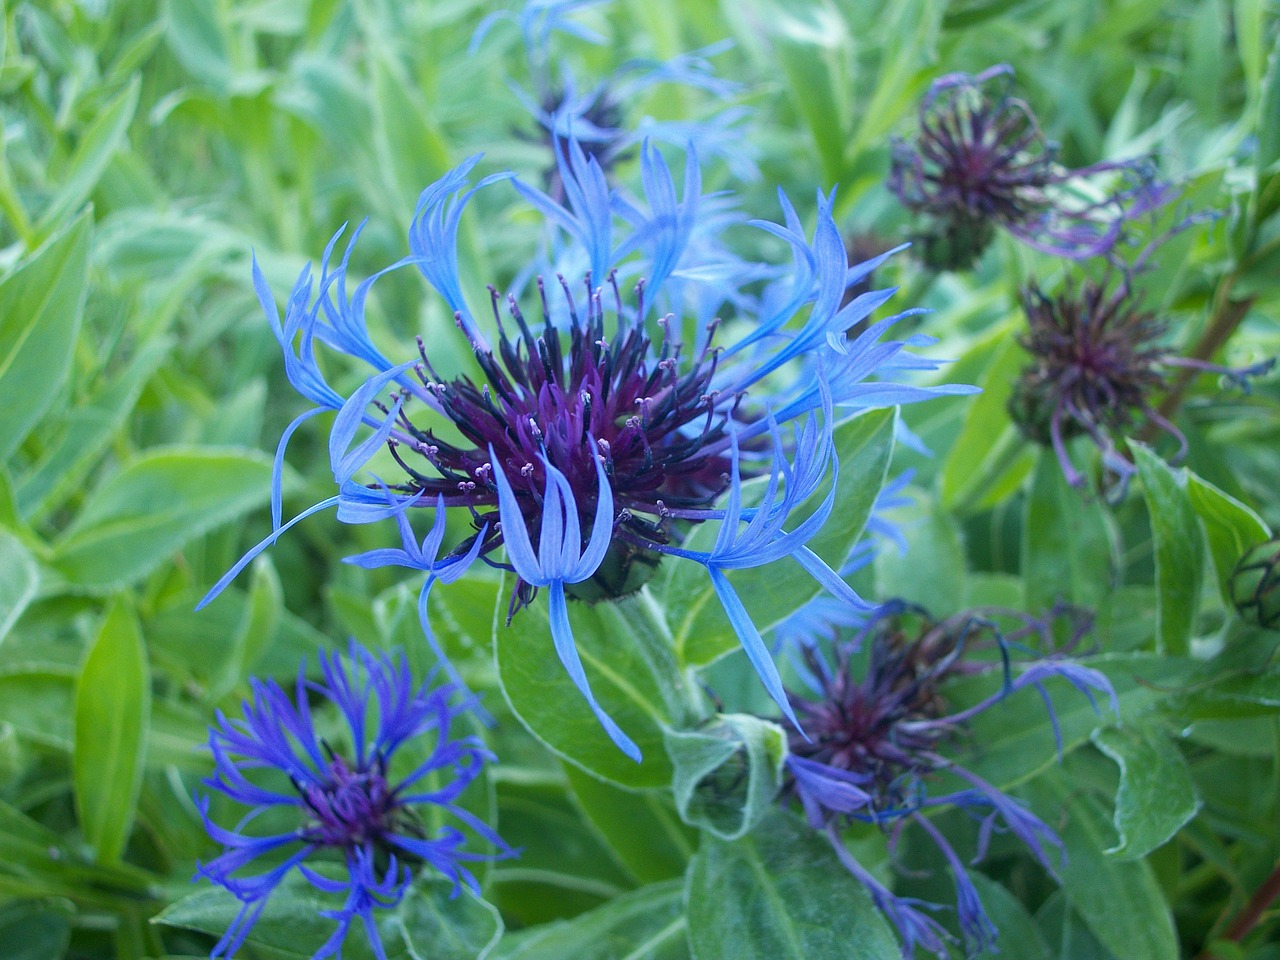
x,y
589,441
979,161
1097,365
876,742
351,817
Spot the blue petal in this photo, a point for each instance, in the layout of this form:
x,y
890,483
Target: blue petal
x,y
562,634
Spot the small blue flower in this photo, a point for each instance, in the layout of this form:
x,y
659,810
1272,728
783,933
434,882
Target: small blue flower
x,y
356,806
873,746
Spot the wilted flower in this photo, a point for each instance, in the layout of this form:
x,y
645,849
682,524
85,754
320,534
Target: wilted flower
x,y
979,161
1096,363
350,804
603,443
872,748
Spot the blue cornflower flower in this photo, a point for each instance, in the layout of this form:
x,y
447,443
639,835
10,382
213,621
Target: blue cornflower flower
x,y
594,115
634,438
871,748
979,161
355,805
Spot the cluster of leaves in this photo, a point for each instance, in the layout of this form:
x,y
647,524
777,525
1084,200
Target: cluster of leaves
x,y
149,147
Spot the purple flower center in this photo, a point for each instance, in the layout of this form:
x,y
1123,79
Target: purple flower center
x,y
886,726
351,808
661,434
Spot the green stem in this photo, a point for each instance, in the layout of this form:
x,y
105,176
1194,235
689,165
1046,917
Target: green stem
x,y
1227,314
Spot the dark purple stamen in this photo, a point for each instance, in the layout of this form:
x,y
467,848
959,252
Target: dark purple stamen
x,y
658,431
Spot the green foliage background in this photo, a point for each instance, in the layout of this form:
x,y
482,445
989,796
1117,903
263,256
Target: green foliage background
x,y
149,148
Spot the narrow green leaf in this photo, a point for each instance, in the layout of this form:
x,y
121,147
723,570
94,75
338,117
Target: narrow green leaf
x,y
257,627
112,713
1120,901
626,652
1179,549
648,924
988,432
780,894
932,571
1250,18
19,580
198,40
1268,150
772,593
1067,548
810,42
1157,796
165,498
41,304
727,774
84,432
1230,527
92,154
642,829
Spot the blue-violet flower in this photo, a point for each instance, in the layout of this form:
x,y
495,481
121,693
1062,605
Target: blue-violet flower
x,y
354,805
979,161
874,745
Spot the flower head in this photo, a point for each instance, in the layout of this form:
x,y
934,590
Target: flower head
x,y
979,161
349,804
1097,362
595,115
592,430
875,744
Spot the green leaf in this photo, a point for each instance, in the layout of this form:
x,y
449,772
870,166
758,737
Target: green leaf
x,y
112,714
1230,698
19,580
31,933
780,894
647,924
94,151
142,515
811,43
1120,901
564,867
1268,149
932,571
1157,795
198,40
41,304
1179,549
257,627
626,652
429,924
727,774
437,925
1250,17
84,432
1018,937
701,631
1230,527
1067,548
968,479
642,829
